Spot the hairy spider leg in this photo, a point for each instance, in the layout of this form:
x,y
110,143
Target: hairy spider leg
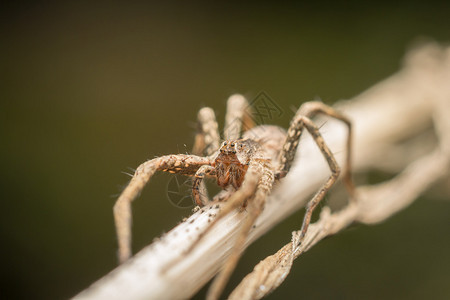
x,y
236,200
300,121
206,142
199,191
254,208
207,139
238,117
182,164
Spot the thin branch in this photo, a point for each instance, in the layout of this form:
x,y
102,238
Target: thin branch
x,y
391,111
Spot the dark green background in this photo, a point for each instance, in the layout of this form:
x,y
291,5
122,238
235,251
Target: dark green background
x,y
92,89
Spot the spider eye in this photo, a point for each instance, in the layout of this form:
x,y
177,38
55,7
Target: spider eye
x,y
224,143
232,144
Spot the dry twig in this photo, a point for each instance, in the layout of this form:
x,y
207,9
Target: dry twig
x,y
395,109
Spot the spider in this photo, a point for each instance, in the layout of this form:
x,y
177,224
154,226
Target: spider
x,y
246,168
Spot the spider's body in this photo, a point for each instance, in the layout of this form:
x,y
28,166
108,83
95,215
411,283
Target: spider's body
x,y
231,163
244,167
233,159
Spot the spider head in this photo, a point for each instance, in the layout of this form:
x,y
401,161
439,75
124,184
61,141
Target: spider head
x,y
229,147
234,152
228,152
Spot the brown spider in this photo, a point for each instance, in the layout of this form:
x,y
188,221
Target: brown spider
x,y
246,168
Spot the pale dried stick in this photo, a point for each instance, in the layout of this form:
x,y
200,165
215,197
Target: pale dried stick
x,y
402,97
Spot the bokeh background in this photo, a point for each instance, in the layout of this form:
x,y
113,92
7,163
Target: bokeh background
x,y
93,88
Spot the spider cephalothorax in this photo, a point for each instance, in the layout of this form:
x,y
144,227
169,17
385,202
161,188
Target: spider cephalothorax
x,y
245,168
232,162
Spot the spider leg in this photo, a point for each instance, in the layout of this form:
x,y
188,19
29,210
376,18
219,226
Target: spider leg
x,y
309,110
206,142
236,200
300,121
255,207
183,164
238,116
198,189
207,138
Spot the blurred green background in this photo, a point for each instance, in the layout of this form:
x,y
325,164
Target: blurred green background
x,y
91,89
